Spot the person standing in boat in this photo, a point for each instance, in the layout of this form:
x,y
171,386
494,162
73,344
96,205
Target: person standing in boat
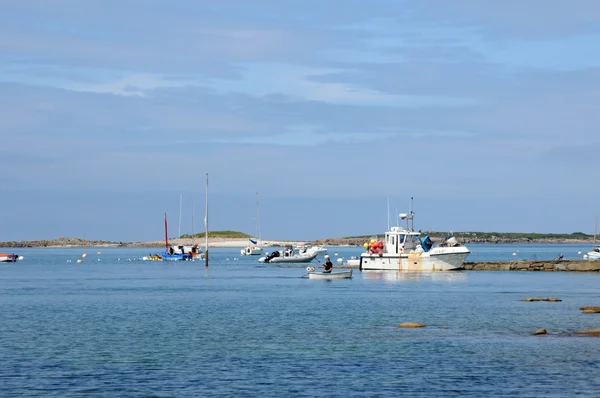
x,y
328,265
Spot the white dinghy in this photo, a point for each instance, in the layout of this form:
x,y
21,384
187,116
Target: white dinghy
x,y
313,274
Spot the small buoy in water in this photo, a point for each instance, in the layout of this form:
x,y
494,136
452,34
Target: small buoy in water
x,y
99,252
80,261
118,259
579,252
84,255
227,259
335,254
340,260
514,254
235,259
98,259
20,257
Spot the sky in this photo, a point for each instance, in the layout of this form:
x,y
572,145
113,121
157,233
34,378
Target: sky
x,y
112,113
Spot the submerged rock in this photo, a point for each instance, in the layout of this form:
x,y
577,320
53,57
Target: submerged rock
x,y
590,309
411,325
540,331
590,332
553,299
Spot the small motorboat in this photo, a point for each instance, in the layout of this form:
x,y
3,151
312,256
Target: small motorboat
x,y
289,256
9,258
312,274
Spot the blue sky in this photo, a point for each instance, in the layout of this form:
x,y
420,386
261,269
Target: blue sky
x,y
485,112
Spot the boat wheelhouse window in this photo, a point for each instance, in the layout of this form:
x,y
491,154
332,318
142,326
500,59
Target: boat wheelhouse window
x,y
401,238
392,240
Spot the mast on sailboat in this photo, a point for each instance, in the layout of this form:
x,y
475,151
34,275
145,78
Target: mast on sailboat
x,y
180,205
595,230
166,234
258,222
388,212
206,226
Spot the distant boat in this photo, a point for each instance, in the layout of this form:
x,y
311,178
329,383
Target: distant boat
x,y
403,249
594,254
288,256
9,258
255,249
353,261
178,252
311,249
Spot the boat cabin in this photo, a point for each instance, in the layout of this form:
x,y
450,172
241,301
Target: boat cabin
x,y
182,249
399,240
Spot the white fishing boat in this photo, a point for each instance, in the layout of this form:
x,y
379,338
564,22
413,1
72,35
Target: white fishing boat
x,y
330,275
403,249
311,249
353,262
593,254
288,256
255,249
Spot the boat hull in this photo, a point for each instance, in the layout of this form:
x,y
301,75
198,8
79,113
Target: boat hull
x,y
289,259
353,262
8,258
252,251
331,275
177,257
445,261
592,256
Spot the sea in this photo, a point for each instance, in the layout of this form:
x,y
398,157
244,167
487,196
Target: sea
x,y
114,325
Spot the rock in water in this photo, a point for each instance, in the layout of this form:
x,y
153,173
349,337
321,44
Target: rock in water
x,y
590,332
552,299
411,325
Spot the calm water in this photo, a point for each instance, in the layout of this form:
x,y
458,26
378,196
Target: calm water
x,y
117,327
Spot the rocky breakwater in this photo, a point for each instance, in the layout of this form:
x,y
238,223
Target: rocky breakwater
x,y
536,265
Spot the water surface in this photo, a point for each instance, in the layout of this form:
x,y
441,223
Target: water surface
x,y
125,327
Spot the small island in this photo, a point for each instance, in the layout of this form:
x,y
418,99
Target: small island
x,y
240,239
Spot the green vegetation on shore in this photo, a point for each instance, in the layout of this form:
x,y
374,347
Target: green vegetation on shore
x,y
219,234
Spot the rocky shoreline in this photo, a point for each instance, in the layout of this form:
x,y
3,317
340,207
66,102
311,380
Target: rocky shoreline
x,y
226,242
536,265
359,241
78,242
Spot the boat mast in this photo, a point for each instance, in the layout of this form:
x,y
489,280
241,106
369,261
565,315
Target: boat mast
x,y
595,230
206,226
412,215
192,217
180,204
166,234
388,215
258,222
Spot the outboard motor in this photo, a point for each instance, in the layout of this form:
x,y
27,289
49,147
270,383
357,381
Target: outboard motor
x,y
272,256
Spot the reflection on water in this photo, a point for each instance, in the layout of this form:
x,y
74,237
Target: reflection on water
x,y
438,276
